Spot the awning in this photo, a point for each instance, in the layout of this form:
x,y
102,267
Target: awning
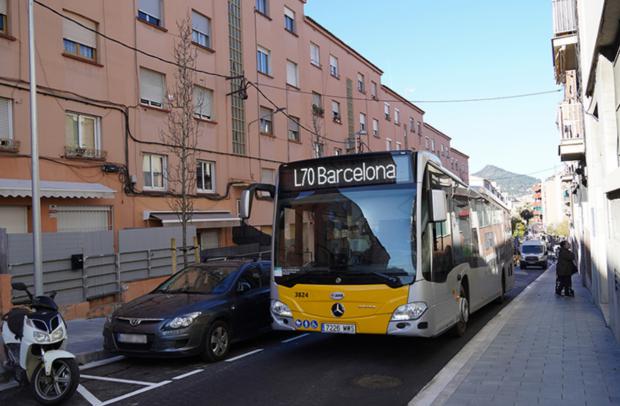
x,y
200,219
74,190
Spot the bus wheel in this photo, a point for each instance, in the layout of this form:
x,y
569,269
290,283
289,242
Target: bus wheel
x,y
500,299
461,326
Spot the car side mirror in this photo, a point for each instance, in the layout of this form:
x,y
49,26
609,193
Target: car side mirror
x,y
19,286
439,206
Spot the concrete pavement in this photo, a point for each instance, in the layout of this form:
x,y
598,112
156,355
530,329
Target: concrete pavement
x,y
541,349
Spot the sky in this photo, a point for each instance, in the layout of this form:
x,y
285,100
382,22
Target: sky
x,y
452,49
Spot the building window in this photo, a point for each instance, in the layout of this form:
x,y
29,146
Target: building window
x,y
6,119
292,74
262,7
315,55
427,143
77,40
150,11
375,127
396,116
154,169
201,30
317,99
337,151
333,66
151,88
388,144
268,176
411,124
362,122
361,87
293,128
386,111
433,145
4,17
336,111
263,60
419,128
373,89
203,103
266,121
289,20
205,176
82,131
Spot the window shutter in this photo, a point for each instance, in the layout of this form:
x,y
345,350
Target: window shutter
x,y
151,85
3,8
200,23
5,118
151,7
291,73
79,34
202,101
289,13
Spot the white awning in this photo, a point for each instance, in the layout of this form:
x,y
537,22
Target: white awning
x,y
204,219
71,190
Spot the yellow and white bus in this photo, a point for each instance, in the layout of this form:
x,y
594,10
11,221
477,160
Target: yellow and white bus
x,y
383,243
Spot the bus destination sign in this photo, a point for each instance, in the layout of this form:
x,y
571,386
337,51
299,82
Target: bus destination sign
x,y
344,172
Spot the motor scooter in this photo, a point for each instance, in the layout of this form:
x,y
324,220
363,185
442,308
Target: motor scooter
x,y
34,341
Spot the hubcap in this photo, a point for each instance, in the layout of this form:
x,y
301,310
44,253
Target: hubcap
x,y
464,310
56,384
219,341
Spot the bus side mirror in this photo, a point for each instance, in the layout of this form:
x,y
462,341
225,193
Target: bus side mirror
x,y
247,196
439,206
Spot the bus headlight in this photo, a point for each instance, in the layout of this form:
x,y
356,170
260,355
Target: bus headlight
x,y
280,309
410,311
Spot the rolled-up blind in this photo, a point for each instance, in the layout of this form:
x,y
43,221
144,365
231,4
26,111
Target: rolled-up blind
x,y
151,7
200,23
5,118
289,13
3,7
151,85
79,34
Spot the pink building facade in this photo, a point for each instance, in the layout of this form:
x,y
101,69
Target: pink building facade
x,y
105,72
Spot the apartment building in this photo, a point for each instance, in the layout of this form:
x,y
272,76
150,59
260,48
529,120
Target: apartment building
x,y
586,50
459,163
274,86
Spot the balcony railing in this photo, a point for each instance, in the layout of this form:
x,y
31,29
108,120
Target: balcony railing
x,y
570,124
564,17
74,152
9,145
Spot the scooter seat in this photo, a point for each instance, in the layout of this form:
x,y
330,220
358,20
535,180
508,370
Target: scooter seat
x,y
15,321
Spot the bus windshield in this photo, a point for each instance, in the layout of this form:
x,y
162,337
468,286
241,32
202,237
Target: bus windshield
x,y
354,235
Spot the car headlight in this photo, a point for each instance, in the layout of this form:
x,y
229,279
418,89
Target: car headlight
x,y
41,337
410,311
280,309
58,334
184,321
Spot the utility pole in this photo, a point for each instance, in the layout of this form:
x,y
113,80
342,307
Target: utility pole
x,y
36,201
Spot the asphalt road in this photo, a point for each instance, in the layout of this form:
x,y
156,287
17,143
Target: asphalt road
x,y
283,369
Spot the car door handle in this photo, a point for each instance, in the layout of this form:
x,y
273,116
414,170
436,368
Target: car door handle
x,y
233,307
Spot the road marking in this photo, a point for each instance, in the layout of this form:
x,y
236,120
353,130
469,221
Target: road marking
x,y
187,374
136,392
288,340
243,355
127,381
102,362
90,398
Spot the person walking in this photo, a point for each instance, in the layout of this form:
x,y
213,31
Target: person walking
x,y
565,268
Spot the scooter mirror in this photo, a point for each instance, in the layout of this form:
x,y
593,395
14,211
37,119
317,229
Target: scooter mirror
x,y
19,286
52,294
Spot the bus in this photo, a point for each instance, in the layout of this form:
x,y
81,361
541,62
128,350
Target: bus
x,y
383,243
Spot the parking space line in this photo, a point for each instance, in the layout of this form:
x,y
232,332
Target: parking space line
x,y
243,355
118,380
102,362
90,398
187,374
136,392
288,340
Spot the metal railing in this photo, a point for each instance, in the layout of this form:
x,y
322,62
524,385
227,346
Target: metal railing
x,y
84,153
564,16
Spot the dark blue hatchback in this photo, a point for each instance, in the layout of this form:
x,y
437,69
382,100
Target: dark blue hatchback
x,y
201,309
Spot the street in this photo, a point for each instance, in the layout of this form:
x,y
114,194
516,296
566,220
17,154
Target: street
x,y
284,369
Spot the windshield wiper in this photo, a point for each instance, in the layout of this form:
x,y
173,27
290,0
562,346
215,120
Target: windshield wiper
x,y
390,280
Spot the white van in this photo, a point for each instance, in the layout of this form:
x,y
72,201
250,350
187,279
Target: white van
x,y
534,253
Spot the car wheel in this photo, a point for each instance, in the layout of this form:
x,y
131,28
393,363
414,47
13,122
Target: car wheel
x,y
460,327
217,341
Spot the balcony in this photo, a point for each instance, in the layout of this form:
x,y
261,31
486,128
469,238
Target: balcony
x,y
73,152
565,39
570,124
564,17
9,145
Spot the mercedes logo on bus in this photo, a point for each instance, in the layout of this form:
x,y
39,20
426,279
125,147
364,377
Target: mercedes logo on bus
x,y
338,309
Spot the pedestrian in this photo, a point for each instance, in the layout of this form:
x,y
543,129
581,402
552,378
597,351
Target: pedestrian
x,y
565,268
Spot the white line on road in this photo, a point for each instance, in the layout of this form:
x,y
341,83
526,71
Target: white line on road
x,y
243,355
187,374
136,392
101,363
288,340
118,380
88,396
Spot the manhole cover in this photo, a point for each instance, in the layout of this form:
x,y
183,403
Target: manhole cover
x,y
377,382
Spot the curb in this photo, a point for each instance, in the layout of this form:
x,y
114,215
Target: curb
x,y
439,389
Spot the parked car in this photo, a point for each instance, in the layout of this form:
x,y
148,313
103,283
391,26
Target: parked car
x,y
200,310
534,253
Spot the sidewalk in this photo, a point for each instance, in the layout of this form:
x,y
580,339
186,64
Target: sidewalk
x,y
540,349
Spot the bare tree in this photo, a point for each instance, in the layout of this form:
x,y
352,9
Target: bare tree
x,y
181,133
317,124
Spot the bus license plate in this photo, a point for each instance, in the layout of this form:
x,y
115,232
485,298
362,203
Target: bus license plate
x,y
132,338
338,328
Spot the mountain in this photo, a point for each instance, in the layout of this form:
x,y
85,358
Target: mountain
x,y
513,184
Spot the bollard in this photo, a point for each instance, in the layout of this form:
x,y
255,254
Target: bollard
x,y
196,250
173,254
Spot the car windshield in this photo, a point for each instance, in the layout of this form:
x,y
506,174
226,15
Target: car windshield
x,y
360,235
204,280
532,249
